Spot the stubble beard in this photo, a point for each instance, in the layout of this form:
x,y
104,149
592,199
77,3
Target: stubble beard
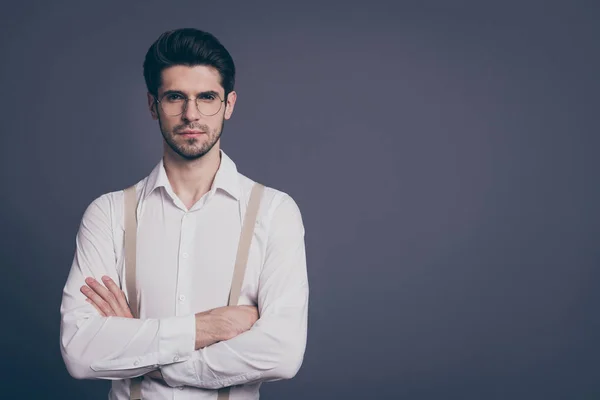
x,y
191,149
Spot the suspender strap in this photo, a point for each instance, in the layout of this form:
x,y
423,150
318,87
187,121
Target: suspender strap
x,y
135,389
130,249
244,244
241,260
242,256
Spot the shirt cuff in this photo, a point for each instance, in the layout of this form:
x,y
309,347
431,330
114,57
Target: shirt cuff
x,y
177,339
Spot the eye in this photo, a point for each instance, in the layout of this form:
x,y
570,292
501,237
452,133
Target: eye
x,y
173,97
207,97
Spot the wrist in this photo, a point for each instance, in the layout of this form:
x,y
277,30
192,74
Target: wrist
x,y
207,332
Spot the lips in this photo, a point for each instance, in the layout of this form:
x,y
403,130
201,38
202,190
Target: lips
x,y
191,132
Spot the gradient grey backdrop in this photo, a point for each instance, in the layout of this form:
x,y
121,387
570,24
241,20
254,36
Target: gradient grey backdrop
x,y
444,158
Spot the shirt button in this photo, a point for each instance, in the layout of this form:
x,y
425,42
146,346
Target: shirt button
x,y
181,297
176,358
185,255
180,388
136,363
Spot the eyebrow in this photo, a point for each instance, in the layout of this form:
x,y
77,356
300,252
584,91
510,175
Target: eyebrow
x,y
207,92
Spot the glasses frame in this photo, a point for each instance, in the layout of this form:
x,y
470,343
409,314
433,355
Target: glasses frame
x,y
187,100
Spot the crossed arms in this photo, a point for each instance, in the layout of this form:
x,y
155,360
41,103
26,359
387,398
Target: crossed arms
x,y
210,350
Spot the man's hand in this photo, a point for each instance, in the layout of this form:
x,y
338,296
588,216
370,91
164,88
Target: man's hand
x,y
223,323
110,301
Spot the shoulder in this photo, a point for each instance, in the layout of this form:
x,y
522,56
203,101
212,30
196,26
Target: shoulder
x,y
109,206
277,206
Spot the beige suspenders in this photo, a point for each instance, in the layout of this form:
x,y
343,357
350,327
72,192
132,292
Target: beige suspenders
x,y
241,259
130,205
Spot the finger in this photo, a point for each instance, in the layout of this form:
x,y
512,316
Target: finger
x,y
98,301
104,293
96,307
119,295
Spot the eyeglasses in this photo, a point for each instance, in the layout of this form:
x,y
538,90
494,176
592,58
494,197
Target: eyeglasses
x,y
174,103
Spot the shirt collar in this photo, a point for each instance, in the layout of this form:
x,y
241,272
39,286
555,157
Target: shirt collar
x,y
226,178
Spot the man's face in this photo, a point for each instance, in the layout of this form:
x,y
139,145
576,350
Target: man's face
x,y
191,134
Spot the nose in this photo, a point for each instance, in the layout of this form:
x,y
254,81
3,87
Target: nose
x,y
190,112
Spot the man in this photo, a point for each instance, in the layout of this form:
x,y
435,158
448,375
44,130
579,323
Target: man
x,y
187,342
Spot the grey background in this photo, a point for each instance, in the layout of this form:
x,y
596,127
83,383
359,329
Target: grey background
x,y
443,154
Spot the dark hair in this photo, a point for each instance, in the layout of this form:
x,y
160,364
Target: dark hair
x,y
189,47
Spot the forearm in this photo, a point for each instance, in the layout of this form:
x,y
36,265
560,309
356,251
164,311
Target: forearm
x,y
272,350
95,347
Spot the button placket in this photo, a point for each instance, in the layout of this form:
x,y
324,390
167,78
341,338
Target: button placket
x,y
184,271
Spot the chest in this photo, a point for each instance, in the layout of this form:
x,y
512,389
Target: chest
x,y
185,260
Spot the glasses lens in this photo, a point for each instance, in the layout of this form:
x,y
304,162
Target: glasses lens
x,y
172,104
208,104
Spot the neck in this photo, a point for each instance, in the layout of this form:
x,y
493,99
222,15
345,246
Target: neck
x,y
191,179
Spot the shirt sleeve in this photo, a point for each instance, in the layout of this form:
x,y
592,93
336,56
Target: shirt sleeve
x,y
96,347
273,349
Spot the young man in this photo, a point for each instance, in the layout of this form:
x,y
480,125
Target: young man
x,y
187,341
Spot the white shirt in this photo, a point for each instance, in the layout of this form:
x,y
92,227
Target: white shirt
x,y
185,261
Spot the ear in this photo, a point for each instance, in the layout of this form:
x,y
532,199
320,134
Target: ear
x,y
153,106
230,104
